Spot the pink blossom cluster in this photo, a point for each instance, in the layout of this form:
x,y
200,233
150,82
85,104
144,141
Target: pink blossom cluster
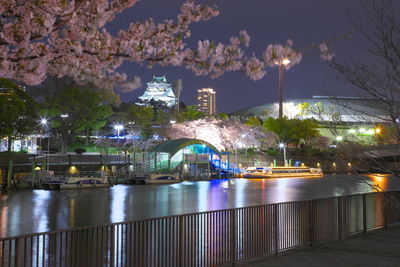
x,y
59,38
38,38
326,53
276,54
224,134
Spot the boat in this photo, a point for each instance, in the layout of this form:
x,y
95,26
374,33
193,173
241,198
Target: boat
x,y
281,172
76,181
154,178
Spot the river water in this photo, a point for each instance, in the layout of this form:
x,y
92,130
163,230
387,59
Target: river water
x,y
33,211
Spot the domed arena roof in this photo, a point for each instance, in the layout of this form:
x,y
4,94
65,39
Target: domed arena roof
x,y
350,109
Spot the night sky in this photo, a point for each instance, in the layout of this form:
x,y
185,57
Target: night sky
x,y
267,21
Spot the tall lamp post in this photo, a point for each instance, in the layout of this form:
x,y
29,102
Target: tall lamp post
x,y
118,128
281,65
282,145
44,122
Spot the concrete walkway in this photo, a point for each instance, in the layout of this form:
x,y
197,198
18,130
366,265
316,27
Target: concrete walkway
x,y
377,248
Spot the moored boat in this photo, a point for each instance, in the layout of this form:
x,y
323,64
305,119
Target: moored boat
x,y
281,172
154,178
92,180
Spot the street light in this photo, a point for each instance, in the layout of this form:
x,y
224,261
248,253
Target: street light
x,y
282,145
44,122
281,64
339,138
118,128
245,146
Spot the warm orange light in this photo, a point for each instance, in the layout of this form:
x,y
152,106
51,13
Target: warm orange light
x,y
73,170
378,130
286,61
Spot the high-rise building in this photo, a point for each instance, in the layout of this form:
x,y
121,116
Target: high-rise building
x,y
177,87
159,90
206,101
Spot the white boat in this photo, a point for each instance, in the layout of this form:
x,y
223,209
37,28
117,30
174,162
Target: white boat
x,y
281,172
154,178
77,181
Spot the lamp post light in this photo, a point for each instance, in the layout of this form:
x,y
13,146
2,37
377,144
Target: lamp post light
x,y
44,122
282,145
245,146
339,138
238,145
281,65
64,146
118,128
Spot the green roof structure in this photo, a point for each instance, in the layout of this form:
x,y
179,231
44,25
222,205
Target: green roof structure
x,y
173,146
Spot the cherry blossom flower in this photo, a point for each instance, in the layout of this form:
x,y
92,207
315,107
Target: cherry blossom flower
x,y
326,54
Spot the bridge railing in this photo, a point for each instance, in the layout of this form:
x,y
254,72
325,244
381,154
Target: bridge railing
x,y
206,238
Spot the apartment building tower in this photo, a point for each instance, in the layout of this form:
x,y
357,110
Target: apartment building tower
x,y
206,101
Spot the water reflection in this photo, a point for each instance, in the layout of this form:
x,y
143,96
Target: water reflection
x,y
240,185
118,204
24,212
202,201
281,189
379,181
41,199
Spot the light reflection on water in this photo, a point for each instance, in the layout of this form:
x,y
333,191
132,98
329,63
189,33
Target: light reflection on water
x,y
379,180
28,211
118,204
41,199
202,201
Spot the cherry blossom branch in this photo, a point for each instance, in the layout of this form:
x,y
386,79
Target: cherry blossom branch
x,y
40,38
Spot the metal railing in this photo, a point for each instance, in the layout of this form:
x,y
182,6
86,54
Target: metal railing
x,y
206,238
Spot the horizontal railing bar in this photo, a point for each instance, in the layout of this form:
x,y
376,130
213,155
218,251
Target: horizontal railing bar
x,y
181,215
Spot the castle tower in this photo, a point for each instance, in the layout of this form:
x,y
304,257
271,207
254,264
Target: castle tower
x,y
159,90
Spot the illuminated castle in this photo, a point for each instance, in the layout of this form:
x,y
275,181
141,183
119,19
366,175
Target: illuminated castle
x,y
159,90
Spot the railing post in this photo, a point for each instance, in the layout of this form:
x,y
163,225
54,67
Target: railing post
x,y
181,240
233,235
385,210
364,202
17,257
340,219
310,221
276,228
112,245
